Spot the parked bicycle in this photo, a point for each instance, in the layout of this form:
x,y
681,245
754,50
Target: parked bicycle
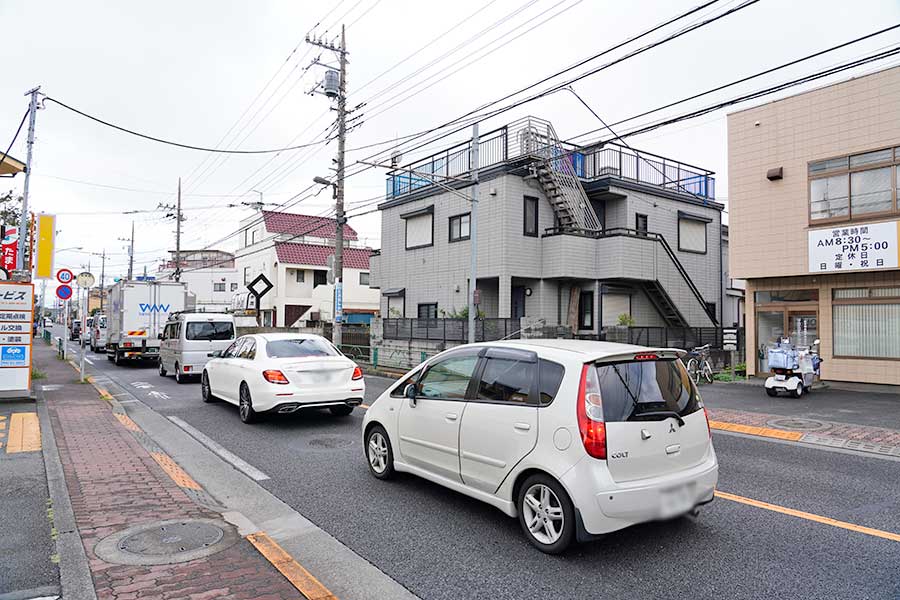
x,y
698,364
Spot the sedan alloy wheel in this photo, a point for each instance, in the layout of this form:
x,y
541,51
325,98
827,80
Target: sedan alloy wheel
x,y
245,408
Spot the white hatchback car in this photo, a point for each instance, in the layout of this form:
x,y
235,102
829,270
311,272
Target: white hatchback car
x,y
576,438
282,373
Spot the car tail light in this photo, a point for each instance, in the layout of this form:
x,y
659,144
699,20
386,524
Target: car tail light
x,y
646,357
708,428
186,368
128,344
357,374
275,376
590,414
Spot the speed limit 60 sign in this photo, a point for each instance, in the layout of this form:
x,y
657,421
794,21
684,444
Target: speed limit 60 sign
x,y
65,276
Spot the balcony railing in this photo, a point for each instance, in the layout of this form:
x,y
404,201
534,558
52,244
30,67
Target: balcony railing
x,y
523,138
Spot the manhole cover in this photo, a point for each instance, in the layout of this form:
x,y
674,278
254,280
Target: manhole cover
x,y
172,539
330,442
796,424
166,542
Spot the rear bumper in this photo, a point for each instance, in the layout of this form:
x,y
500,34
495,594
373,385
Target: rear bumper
x,y
289,407
607,506
276,398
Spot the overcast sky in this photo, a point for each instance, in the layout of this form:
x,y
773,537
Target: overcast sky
x,y
188,71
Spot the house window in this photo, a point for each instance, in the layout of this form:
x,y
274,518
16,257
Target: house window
x,y
860,185
459,227
530,213
234,287
320,278
427,311
711,308
218,287
364,279
253,237
300,274
692,233
246,275
246,237
640,224
419,228
866,322
586,310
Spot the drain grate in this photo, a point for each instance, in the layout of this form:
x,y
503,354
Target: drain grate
x,y
166,542
330,442
797,424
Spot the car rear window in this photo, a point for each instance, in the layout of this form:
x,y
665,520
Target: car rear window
x,y
299,348
102,323
628,389
210,331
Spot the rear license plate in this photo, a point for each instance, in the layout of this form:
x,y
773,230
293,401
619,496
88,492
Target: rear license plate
x,y
675,501
779,378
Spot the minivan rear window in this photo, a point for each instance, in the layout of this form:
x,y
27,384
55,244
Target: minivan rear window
x,y
628,389
299,348
209,331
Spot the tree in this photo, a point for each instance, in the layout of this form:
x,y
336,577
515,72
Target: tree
x,y
10,208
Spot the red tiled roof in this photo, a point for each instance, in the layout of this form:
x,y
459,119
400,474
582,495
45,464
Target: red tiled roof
x,y
323,227
312,254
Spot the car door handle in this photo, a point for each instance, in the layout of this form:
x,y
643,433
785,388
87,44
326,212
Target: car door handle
x,y
451,416
522,426
673,449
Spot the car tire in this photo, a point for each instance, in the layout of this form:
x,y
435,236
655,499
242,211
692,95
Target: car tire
x,y
546,514
117,359
109,356
245,406
162,369
341,410
206,389
772,392
379,455
179,378
798,393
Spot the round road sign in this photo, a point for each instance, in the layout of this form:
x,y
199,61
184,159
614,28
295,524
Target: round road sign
x,y
65,276
64,292
84,280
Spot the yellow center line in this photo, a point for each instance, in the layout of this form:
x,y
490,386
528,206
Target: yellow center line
x,y
299,577
809,516
24,433
754,430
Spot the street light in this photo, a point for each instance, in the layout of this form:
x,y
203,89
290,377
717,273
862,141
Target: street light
x,y
321,180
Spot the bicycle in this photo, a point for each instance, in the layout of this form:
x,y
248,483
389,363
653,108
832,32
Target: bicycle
x,y
698,365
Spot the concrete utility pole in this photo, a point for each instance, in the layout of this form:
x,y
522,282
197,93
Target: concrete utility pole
x,y
130,251
178,235
341,51
102,277
23,221
473,220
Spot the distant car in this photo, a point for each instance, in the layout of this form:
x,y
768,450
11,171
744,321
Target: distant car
x,y
575,438
97,340
282,373
189,338
48,322
75,330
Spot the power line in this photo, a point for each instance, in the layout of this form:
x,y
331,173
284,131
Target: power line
x,y
171,143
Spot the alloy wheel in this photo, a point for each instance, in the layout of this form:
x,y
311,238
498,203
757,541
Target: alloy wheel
x,y
246,405
378,452
204,387
543,514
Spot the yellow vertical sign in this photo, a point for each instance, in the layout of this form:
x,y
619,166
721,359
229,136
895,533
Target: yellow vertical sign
x,y
45,233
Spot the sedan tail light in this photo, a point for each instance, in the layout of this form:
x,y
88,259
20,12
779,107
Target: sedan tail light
x,y
275,376
357,374
590,414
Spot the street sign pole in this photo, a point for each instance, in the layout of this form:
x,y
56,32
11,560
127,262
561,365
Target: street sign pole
x,y
83,327
84,280
65,333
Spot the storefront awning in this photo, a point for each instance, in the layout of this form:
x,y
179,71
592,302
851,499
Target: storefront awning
x,y
9,166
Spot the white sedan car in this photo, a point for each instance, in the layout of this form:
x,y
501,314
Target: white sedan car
x,y
575,438
282,373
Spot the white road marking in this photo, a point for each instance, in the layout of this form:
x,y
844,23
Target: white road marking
x,y
88,361
141,385
239,464
160,395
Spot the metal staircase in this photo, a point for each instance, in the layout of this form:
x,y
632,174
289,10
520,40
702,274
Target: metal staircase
x,y
663,304
553,170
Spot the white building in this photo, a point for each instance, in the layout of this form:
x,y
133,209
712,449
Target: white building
x,y
292,251
210,275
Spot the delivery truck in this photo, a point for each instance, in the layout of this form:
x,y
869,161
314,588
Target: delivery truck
x,y
137,314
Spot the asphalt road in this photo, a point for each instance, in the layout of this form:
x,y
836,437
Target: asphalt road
x,y
442,545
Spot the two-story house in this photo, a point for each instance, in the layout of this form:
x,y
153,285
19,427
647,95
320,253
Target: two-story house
x,y
292,251
585,237
210,276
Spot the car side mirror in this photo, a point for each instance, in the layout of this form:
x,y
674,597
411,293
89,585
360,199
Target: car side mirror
x,y
410,392
159,336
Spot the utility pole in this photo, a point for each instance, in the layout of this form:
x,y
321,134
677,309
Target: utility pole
x,y
23,221
130,251
341,97
178,235
102,277
473,221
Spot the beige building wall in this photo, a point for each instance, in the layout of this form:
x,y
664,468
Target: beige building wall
x,y
769,220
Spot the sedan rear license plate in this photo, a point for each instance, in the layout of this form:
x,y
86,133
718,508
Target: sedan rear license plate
x,y
675,501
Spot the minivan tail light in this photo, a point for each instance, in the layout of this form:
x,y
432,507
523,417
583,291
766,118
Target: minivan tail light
x,y
357,374
590,414
275,376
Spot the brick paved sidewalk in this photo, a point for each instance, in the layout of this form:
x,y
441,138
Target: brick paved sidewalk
x,y
114,483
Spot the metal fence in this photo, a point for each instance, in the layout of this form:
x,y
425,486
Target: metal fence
x,y
685,338
450,330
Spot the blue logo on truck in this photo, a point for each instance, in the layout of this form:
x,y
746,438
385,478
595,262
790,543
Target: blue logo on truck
x,y
154,308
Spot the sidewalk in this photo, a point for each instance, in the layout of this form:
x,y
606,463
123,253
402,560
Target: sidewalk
x,y
148,530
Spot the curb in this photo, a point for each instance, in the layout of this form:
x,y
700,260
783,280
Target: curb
x,y
75,578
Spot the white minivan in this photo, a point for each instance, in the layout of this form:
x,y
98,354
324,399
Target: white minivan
x,y
189,338
97,333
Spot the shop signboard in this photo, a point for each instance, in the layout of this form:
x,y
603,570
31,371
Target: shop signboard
x,y
854,248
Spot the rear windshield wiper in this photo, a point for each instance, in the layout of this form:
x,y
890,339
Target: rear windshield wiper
x,y
660,413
